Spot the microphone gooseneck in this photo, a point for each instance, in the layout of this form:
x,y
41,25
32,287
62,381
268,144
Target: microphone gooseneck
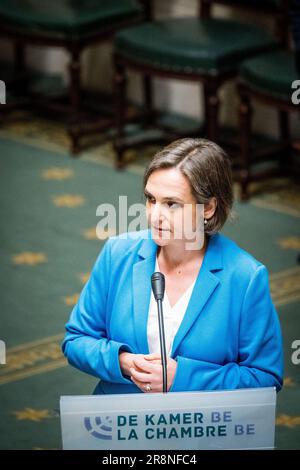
x,y
158,288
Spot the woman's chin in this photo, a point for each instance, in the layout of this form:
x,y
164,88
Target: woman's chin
x,y
161,242
161,238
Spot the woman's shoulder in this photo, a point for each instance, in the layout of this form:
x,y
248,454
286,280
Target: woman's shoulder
x,y
238,259
127,242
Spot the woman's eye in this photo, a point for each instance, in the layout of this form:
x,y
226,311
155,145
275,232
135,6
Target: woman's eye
x,y
169,205
150,199
173,205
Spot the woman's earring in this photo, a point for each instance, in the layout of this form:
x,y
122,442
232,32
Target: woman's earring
x,y
205,221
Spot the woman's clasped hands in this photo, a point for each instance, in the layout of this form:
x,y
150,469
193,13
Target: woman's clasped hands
x,y
145,370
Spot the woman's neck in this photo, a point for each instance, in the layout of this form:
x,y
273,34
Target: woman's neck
x,y
177,255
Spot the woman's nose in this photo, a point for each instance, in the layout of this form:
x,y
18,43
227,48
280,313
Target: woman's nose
x,y
157,214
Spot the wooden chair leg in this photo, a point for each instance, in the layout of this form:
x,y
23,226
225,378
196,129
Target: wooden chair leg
x,y
212,103
284,125
120,104
20,83
74,98
19,57
205,103
245,114
204,9
148,100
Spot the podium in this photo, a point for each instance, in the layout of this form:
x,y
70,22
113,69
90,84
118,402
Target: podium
x,y
235,419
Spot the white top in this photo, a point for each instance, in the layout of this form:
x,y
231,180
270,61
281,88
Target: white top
x,y
172,316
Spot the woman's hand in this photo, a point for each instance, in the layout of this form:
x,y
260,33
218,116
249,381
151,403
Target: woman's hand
x,y
147,369
126,361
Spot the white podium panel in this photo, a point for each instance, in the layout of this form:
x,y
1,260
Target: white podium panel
x,y
237,419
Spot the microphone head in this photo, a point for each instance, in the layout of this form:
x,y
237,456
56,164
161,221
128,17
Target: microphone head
x,y
158,285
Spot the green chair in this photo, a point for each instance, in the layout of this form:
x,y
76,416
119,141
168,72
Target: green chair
x,y
205,49
72,25
267,79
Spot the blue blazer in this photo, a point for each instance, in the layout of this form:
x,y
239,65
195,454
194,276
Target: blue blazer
x,y
229,337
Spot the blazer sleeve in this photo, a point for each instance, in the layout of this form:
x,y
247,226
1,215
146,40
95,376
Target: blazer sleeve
x,y
260,361
86,344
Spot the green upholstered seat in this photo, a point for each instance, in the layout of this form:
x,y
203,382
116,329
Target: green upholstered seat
x,y
67,16
210,46
271,73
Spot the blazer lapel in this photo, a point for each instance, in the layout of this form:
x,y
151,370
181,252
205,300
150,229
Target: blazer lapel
x,y
205,285
141,279
203,289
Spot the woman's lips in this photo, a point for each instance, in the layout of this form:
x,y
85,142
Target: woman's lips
x,y
158,229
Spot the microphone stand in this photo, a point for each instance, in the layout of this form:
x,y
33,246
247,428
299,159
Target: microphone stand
x,y
158,288
162,344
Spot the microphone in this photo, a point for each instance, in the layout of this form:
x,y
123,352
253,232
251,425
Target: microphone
x,y
158,289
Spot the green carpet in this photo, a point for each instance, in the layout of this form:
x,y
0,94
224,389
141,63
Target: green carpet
x,y
48,245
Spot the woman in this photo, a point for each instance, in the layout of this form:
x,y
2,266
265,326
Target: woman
x,y
222,330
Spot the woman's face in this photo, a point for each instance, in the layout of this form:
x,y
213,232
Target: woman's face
x,y
170,207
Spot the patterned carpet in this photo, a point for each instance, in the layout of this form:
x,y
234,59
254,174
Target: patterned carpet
x,y
48,245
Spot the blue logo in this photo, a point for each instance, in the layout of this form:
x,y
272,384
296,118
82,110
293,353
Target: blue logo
x,y
100,427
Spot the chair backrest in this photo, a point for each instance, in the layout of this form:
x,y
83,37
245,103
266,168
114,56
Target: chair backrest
x,y
148,9
263,6
295,29
277,9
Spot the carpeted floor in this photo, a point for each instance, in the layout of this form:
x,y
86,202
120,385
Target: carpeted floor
x,y
48,245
